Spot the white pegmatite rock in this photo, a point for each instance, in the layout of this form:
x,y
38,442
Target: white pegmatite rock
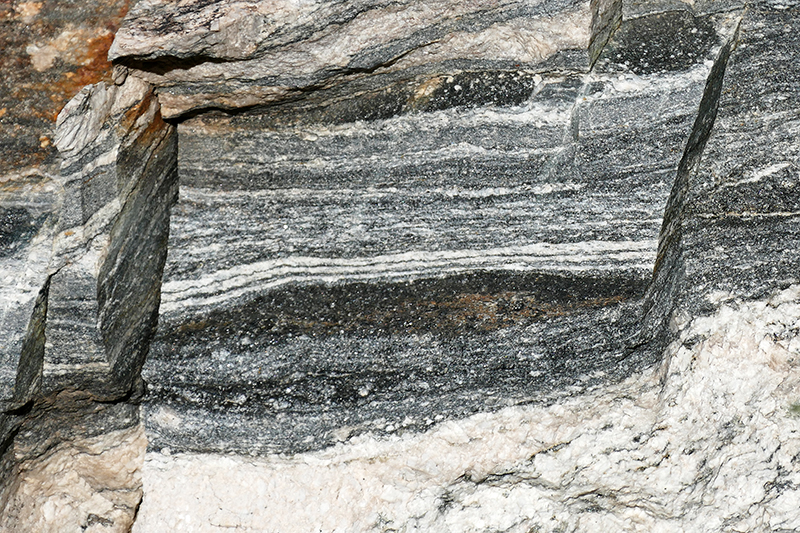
x,y
89,484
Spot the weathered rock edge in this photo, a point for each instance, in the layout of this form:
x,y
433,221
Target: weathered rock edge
x,y
78,372
231,55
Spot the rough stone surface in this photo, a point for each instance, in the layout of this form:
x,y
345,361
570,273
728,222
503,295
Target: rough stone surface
x,y
233,54
706,442
83,313
66,243
118,173
51,50
29,207
467,254
77,468
435,266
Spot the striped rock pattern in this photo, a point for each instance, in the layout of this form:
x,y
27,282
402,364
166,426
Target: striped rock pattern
x,y
705,441
485,240
228,55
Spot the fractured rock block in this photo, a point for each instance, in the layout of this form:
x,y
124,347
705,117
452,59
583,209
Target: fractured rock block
x,y
118,174
228,55
28,217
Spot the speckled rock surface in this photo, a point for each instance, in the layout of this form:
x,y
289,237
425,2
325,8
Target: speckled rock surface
x,y
488,245
433,267
65,219
706,442
51,50
671,446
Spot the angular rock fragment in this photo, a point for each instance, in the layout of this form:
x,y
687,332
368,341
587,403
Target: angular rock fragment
x,y
118,174
230,55
731,226
28,218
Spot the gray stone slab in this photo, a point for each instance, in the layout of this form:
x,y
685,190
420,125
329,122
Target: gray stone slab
x,y
28,218
227,55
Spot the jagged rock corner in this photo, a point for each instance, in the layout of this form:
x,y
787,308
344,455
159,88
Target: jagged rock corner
x,y
400,266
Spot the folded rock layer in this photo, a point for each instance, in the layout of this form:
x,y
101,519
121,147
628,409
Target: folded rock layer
x,y
464,254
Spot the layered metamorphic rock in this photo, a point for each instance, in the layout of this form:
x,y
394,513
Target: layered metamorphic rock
x,y
82,276
412,266
344,275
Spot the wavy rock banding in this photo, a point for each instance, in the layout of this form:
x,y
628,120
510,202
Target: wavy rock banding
x,y
483,266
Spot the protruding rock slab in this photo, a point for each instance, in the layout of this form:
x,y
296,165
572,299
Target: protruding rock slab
x,y
236,54
118,173
732,227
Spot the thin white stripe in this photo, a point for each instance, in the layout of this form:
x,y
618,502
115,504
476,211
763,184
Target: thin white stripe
x,y
237,281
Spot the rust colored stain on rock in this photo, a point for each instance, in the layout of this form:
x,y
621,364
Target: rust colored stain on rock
x,y
95,69
51,49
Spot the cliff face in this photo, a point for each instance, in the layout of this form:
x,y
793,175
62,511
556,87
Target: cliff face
x,y
437,266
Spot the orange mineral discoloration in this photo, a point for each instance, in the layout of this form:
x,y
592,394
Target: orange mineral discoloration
x,y
485,312
92,67
133,113
50,52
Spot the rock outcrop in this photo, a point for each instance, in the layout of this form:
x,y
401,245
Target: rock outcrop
x,y
487,246
482,266
231,55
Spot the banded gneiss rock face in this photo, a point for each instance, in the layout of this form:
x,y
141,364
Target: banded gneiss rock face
x,y
420,245
707,442
445,266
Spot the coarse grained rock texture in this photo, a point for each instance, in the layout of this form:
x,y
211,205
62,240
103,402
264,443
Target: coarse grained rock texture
x,y
73,228
76,466
706,440
488,244
709,442
99,252
475,266
51,50
119,178
82,314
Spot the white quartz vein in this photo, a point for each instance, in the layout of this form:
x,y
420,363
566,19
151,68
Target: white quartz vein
x,y
707,442
224,285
